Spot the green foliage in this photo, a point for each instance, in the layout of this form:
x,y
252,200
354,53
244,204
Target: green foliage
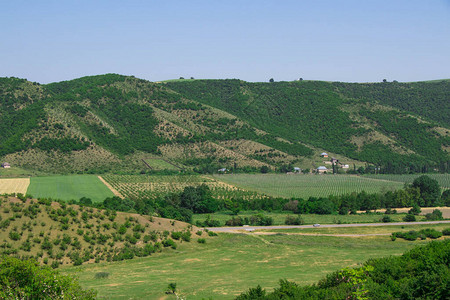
x,y
24,279
434,216
409,218
422,273
291,220
430,190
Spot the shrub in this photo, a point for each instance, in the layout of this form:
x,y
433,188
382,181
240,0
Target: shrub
x,y
235,221
386,219
169,243
199,233
291,220
201,241
186,236
14,235
409,218
446,231
25,279
171,288
100,275
176,235
212,233
434,216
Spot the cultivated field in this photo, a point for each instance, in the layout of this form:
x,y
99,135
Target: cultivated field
x,y
305,186
231,263
14,185
442,179
69,187
152,186
160,164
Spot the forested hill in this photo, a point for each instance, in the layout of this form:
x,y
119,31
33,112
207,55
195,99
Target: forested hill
x,y
98,123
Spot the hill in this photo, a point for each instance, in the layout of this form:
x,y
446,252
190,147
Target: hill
x,y
60,234
114,122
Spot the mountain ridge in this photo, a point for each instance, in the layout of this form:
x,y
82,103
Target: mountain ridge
x,y
117,120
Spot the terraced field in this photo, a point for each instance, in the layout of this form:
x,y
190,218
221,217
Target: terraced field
x,y
305,186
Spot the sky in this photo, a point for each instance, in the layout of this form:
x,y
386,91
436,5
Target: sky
x,y
253,40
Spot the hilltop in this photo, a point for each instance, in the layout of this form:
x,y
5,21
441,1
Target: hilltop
x,y
112,122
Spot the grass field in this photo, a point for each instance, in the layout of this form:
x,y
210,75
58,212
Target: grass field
x,y
14,185
442,179
280,217
231,263
305,186
69,187
160,164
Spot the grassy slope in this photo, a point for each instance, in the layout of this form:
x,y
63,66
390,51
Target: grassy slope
x,y
231,263
44,221
304,186
442,179
69,187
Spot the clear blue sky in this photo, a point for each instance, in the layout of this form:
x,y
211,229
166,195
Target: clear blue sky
x,y
253,40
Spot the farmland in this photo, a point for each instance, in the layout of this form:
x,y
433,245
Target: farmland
x,y
442,179
151,186
160,164
14,185
69,187
305,186
231,263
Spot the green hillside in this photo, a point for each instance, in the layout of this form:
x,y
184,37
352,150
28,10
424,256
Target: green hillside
x,y
113,122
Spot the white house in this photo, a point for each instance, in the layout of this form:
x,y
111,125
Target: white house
x,y
322,169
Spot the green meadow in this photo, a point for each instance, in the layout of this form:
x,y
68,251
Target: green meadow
x,y
231,263
305,186
71,187
280,217
160,164
442,179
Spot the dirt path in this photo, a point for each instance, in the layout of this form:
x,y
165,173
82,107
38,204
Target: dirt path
x,y
115,192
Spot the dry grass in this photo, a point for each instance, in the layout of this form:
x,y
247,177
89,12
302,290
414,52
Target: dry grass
x,y
14,185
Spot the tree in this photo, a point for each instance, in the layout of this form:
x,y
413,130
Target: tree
x,y
25,279
415,210
271,80
264,169
446,197
429,190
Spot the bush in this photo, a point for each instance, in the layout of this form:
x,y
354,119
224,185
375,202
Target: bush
x,y
291,220
446,231
409,218
212,233
100,275
25,279
234,221
169,243
201,241
434,216
386,219
176,235
186,236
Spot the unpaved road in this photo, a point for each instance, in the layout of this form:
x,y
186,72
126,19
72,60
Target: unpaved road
x,y
251,228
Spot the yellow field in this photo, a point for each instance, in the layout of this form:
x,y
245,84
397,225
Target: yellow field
x,y
14,185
